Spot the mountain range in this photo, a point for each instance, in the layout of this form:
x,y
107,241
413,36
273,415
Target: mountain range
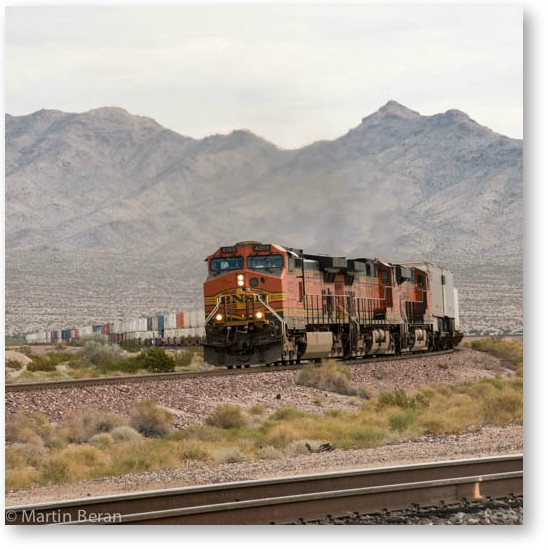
x,y
399,186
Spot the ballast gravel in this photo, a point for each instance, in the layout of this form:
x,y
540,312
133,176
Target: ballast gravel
x,y
508,511
192,400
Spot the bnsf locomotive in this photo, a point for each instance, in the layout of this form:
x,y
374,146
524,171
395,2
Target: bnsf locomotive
x,y
268,304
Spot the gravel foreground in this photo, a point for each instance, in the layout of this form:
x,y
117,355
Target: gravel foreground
x,y
485,441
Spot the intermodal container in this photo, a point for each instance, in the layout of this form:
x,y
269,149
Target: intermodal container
x,y
170,321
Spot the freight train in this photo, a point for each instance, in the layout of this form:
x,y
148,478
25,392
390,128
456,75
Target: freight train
x,y
175,329
269,304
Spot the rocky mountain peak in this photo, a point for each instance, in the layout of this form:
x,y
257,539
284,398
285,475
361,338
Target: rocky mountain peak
x,y
392,109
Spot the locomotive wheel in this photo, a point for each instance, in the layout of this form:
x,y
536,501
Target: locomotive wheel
x,y
246,366
238,366
229,367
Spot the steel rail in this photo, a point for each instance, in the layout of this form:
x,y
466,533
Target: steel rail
x,y
290,498
106,380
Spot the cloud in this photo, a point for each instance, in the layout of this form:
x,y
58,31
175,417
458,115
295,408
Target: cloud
x,y
292,74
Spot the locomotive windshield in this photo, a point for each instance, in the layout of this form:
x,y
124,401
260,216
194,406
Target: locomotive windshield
x,y
265,262
226,264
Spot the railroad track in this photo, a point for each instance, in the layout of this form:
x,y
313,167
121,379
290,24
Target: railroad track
x,y
290,499
81,382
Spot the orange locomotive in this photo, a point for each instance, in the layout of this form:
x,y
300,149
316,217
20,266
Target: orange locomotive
x,y
268,304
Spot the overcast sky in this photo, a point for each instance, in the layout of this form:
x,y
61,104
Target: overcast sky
x,y
292,75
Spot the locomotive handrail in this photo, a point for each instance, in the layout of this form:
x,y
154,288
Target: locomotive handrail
x,y
271,311
214,310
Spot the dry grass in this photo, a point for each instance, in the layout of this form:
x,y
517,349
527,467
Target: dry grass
x,y
227,415
330,376
149,419
510,351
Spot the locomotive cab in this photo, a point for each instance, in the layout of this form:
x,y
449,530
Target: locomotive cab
x,y
243,298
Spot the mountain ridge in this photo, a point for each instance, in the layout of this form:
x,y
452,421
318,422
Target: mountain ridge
x,y
399,185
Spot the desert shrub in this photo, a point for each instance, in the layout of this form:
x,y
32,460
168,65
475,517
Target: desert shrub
x,y
281,435
192,450
200,432
54,471
125,433
227,415
434,423
366,437
269,453
156,360
21,427
42,365
13,364
94,353
150,419
49,361
400,399
183,358
231,455
33,451
102,440
502,407
131,345
298,447
331,376
400,421
257,409
288,413
85,423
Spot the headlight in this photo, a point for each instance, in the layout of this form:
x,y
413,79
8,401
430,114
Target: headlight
x,y
240,282
240,277
259,314
218,317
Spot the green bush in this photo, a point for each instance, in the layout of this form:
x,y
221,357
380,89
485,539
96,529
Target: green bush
x,y
48,362
131,345
13,364
401,420
156,360
40,366
95,353
149,419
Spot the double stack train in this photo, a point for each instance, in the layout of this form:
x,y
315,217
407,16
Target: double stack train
x,y
268,304
174,329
